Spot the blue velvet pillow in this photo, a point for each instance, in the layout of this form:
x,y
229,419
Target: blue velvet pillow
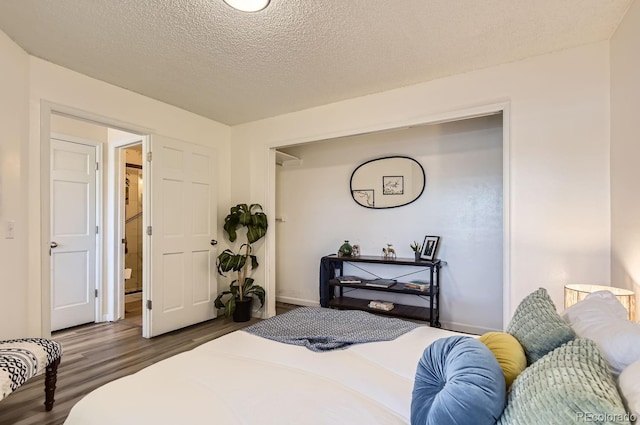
x,y
458,381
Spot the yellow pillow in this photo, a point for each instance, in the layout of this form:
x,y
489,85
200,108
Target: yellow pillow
x,y
508,352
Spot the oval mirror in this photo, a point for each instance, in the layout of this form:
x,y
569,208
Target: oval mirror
x,y
387,182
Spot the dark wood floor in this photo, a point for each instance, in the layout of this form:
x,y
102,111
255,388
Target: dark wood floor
x,y
95,354
133,312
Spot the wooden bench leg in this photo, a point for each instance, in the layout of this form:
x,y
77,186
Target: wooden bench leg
x,y
50,379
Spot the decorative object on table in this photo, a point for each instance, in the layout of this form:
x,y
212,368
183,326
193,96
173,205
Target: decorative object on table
x,y
380,283
577,292
345,250
418,284
416,248
430,247
389,251
349,279
387,182
355,251
381,305
393,185
241,289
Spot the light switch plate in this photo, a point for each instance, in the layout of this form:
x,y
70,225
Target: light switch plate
x,y
10,230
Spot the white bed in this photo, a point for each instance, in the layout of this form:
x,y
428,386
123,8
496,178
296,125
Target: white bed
x,y
241,378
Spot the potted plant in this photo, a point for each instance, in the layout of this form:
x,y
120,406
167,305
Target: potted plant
x,y
239,296
416,247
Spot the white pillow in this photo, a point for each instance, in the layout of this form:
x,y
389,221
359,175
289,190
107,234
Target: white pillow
x,y
629,383
602,318
601,303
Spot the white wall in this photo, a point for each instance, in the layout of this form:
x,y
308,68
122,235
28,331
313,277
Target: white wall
x,y
558,158
14,89
77,128
119,108
462,203
625,152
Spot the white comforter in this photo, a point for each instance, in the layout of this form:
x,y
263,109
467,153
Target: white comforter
x,y
245,379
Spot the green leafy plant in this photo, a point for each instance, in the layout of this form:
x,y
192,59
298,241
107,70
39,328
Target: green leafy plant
x,y
255,221
415,246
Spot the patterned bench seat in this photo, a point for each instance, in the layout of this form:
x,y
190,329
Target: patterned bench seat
x,y
22,359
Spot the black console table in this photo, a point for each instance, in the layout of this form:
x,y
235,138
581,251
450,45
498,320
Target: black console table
x,y
332,266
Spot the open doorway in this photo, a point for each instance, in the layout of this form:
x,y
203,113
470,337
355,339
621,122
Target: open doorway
x,y
93,290
75,194
180,184
133,231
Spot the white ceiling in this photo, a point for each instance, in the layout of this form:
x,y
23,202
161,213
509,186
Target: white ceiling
x,y
236,67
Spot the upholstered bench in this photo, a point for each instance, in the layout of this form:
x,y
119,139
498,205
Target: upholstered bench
x,y
22,359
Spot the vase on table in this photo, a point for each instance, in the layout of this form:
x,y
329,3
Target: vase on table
x,y
345,250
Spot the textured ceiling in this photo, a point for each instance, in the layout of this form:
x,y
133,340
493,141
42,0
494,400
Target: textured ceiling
x,y
235,67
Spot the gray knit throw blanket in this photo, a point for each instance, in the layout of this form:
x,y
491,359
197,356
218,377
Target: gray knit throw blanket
x,y
322,329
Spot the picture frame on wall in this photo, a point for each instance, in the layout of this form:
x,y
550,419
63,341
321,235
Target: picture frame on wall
x,y
393,185
365,197
430,247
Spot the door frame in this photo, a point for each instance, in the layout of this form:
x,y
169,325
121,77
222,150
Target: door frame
x,y
108,237
97,306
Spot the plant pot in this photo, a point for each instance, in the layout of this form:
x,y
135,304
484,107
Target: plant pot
x,y
242,313
417,255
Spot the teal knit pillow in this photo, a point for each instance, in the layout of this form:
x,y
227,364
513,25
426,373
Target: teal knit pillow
x,y
570,385
538,327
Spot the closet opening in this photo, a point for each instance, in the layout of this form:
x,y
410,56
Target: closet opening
x,y
465,203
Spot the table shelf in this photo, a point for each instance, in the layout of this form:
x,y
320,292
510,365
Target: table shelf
x,y
399,310
398,288
332,266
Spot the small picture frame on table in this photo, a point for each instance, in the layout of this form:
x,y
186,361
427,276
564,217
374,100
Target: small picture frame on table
x,y
430,247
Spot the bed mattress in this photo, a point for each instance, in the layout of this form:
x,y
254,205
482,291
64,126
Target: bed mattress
x,y
245,379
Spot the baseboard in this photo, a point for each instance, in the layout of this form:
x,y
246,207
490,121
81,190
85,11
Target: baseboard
x,y
297,301
466,328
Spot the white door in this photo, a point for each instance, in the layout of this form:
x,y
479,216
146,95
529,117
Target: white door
x,y
182,205
73,233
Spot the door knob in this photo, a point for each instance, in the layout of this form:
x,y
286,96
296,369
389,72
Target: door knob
x,y
214,242
53,245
